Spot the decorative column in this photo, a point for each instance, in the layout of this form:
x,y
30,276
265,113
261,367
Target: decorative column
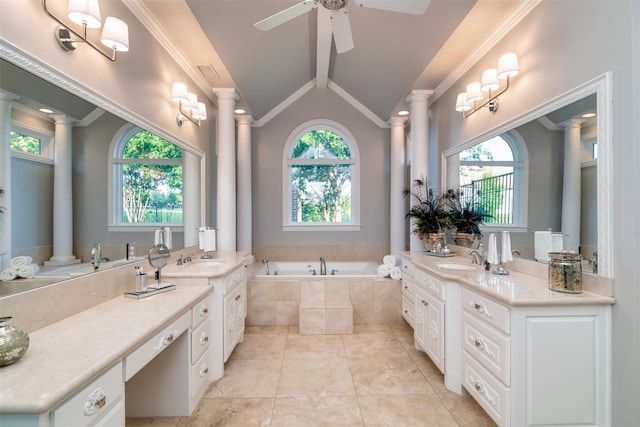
x,y
419,146
5,177
226,180
191,197
396,200
571,186
62,194
244,217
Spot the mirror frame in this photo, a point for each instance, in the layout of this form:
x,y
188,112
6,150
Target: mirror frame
x,y
601,86
40,69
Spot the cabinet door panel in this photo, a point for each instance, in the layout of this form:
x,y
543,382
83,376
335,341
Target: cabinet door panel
x,y
434,333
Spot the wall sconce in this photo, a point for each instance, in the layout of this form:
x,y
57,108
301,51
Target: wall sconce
x,y
472,100
86,13
188,106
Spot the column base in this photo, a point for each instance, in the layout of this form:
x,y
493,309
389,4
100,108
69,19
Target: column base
x,y
63,260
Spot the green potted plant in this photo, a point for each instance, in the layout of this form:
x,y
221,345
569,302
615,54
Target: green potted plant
x,y
465,216
427,213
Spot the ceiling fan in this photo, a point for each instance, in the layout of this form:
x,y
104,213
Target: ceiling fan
x,y
339,17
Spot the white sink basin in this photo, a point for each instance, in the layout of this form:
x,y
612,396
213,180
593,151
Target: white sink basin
x,y
452,266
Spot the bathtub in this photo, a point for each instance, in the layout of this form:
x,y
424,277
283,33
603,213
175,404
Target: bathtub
x,y
275,299
306,268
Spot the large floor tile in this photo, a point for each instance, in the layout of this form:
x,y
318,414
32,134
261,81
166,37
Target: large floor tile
x,y
377,344
466,411
316,411
153,422
247,378
314,347
405,411
260,346
315,377
388,375
230,412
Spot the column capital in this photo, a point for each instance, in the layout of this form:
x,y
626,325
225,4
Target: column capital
x,y
419,95
572,123
398,120
226,93
62,119
5,95
244,119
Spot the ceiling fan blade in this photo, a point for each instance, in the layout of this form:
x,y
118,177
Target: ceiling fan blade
x,y
341,30
286,15
414,7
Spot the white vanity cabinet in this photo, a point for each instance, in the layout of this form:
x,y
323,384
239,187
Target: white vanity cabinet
x,y
408,292
537,365
429,321
235,309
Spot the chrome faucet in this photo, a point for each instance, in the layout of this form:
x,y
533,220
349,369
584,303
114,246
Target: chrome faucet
x,y
265,261
477,255
323,267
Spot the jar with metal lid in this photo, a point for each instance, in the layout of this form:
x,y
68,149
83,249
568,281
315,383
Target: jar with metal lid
x,y
565,272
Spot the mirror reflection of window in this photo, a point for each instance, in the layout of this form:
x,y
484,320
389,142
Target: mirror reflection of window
x,y
491,172
148,173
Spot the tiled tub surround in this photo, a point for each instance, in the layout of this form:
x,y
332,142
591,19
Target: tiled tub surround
x,y
275,300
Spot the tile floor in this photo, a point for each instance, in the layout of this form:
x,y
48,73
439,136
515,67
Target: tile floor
x,y
374,377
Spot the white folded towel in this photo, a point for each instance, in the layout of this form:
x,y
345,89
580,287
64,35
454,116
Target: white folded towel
x,y
8,274
20,260
391,260
28,271
506,247
395,273
209,240
383,271
492,250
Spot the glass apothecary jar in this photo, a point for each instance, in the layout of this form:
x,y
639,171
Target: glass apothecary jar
x,y
565,272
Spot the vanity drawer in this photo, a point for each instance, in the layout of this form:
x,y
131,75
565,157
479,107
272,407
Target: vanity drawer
x,y
408,309
486,309
139,358
492,395
93,401
201,311
408,268
234,278
200,373
407,289
432,285
200,340
488,347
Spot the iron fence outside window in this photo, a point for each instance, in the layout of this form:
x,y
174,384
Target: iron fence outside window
x,y
494,194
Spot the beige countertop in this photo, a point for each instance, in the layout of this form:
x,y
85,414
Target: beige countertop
x,y
67,354
220,264
515,289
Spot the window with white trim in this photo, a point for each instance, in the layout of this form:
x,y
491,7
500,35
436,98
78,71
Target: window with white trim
x,y
321,189
492,174
31,143
146,179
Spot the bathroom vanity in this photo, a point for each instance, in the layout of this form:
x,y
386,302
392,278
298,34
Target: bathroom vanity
x,y
528,355
125,357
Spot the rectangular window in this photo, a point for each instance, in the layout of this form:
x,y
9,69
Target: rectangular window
x,y
321,193
25,143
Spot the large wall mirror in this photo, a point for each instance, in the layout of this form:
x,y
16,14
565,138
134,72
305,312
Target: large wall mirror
x,y
95,125
548,172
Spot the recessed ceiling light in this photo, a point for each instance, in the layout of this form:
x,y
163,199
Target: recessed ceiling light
x,y
45,110
239,111
588,115
403,113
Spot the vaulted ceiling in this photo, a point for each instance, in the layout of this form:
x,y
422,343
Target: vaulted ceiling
x,y
394,53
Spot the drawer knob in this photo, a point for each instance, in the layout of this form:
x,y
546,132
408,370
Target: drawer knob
x,y
96,400
204,338
204,370
168,339
480,387
479,342
204,310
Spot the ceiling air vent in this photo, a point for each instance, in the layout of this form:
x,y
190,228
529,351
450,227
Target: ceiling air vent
x,y
209,72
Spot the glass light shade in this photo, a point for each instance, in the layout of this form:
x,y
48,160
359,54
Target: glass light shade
x,y
201,112
115,34
192,104
508,66
179,92
473,92
85,12
489,80
461,102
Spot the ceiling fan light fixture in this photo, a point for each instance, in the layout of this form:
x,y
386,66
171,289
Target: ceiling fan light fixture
x,y
334,4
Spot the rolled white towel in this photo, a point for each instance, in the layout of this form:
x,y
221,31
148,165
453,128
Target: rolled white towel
x,y
8,274
383,271
28,271
391,260
395,273
20,260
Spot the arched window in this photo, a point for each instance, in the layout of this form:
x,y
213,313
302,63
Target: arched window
x,y
494,173
320,185
146,179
